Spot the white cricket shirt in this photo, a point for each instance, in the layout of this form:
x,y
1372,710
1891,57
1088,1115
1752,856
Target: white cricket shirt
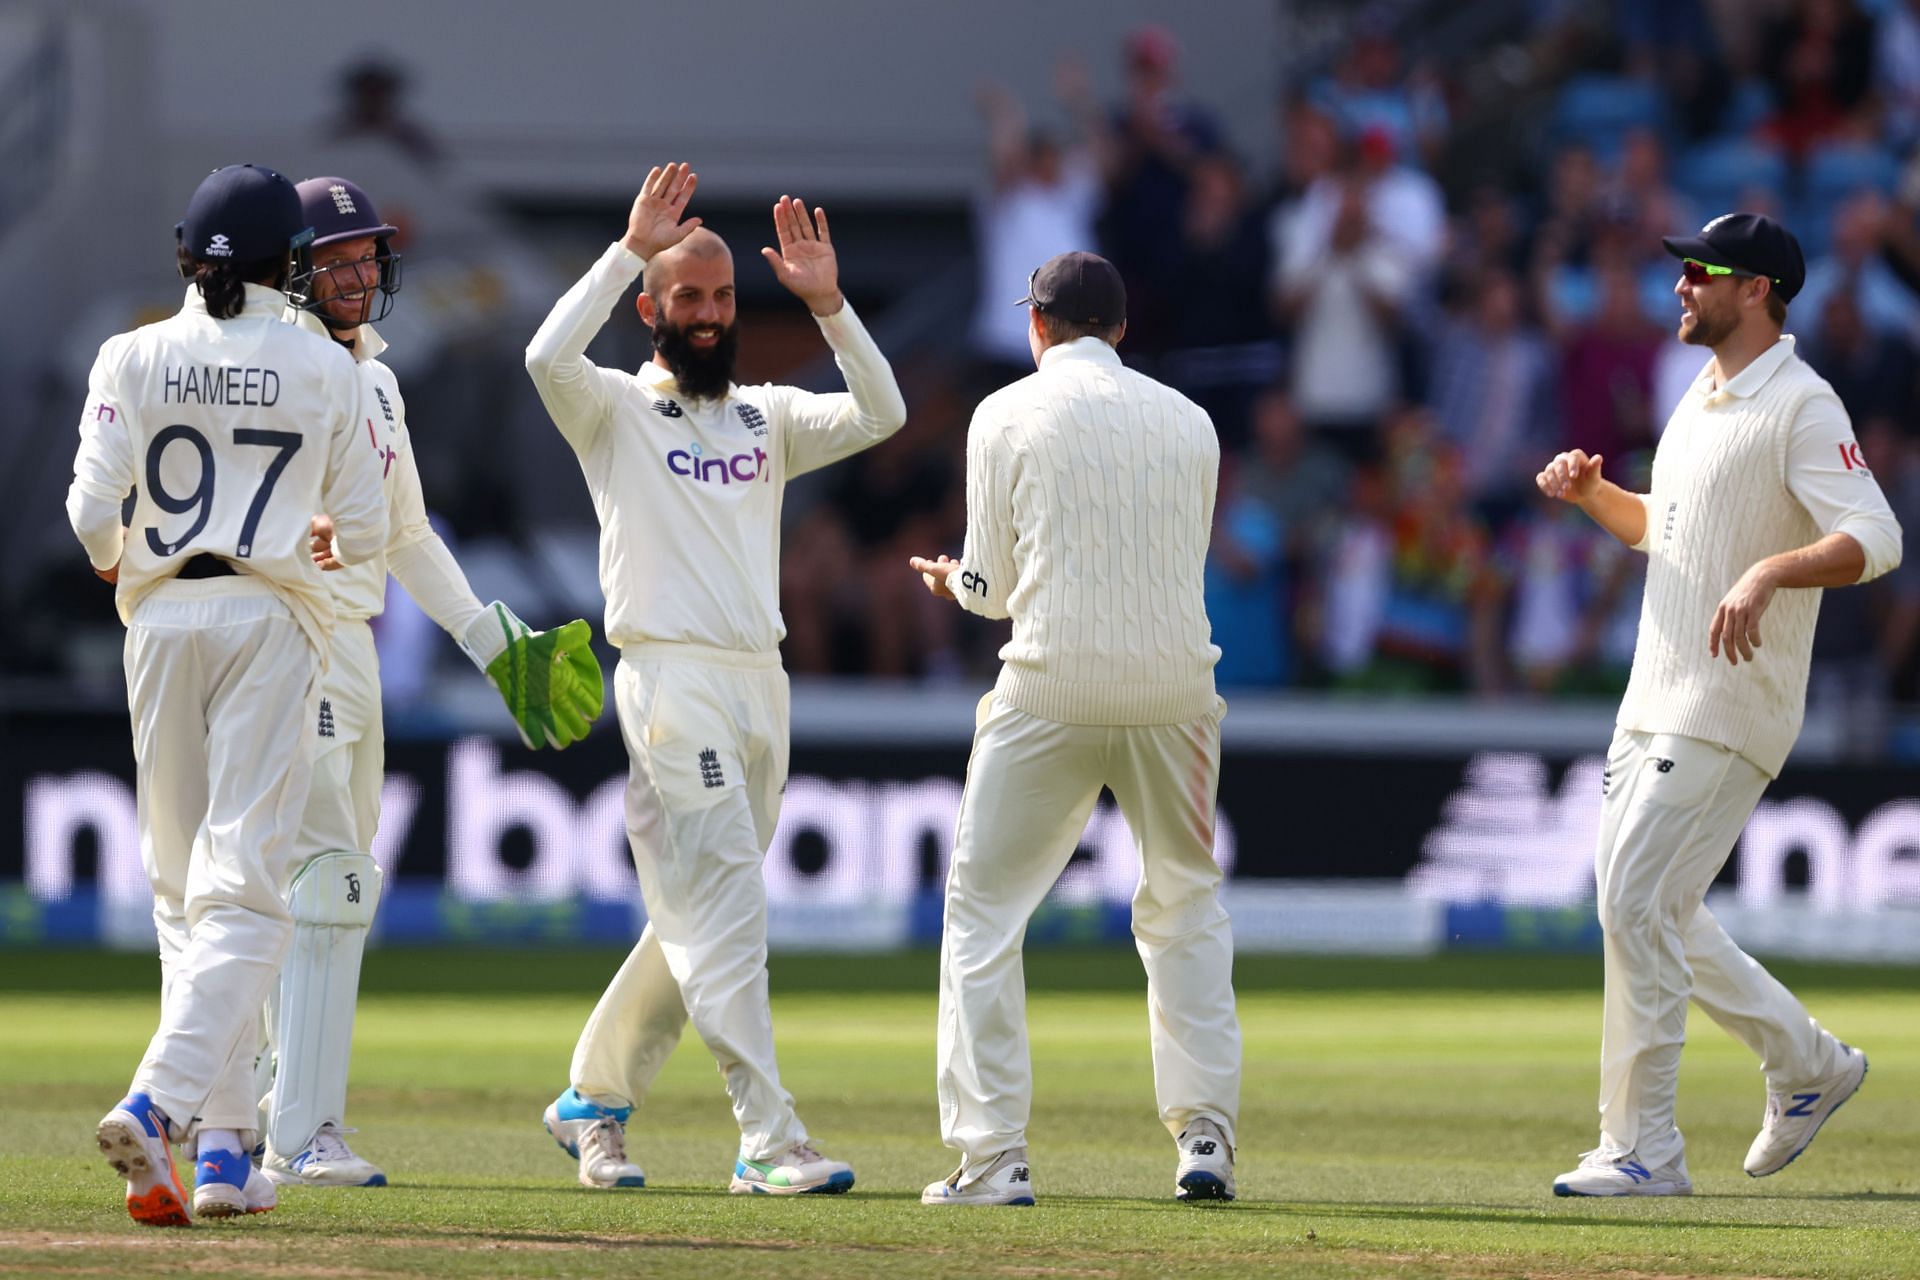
x,y
414,553
687,491
1765,464
1090,491
234,432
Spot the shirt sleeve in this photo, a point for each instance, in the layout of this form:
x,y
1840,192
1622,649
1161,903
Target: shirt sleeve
x,y
572,387
1646,538
1828,475
352,491
818,429
986,575
103,468
419,558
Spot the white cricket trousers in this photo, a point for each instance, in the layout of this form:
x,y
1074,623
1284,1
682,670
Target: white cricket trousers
x,y
1674,808
1031,785
350,753
706,735
222,685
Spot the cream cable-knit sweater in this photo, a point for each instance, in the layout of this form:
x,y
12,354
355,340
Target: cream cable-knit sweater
x,y
1765,464
1090,492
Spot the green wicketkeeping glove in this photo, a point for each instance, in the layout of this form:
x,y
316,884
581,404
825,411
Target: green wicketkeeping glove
x,y
549,680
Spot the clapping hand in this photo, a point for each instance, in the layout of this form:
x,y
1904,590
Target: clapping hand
x,y
805,262
654,225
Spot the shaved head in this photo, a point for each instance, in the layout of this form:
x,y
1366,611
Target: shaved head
x,y
701,245
688,303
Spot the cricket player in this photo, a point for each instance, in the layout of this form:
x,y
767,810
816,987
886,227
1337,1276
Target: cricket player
x,y
336,883
234,427
687,471
1090,492
1761,498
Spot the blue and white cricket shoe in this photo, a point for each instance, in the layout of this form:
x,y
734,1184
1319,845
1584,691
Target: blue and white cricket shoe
x,y
1794,1116
220,1184
1007,1179
133,1138
1206,1163
326,1161
596,1136
1608,1173
797,1171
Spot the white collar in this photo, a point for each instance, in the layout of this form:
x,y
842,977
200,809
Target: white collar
x,y
1088,348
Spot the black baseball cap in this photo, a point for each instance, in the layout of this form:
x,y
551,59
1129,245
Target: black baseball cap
x,y
244,214
1749,242
1080,288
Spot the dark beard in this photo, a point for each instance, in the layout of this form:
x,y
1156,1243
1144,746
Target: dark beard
x,y
702,375
1705,332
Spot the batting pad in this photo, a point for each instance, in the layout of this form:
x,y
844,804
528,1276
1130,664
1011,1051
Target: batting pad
x,y
332,900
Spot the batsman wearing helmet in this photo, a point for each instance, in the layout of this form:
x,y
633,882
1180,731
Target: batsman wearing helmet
x,y
235,428
550,680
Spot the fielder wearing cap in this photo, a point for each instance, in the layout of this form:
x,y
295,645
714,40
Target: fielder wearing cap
x,y
1090,492
1761,498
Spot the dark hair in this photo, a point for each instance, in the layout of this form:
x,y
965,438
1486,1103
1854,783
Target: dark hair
x,y
224,284
1776,307
1059,331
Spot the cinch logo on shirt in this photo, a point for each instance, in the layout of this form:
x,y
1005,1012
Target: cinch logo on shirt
x,y
744,467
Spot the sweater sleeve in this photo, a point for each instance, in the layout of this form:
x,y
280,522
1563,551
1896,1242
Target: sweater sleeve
x,y
986,575
1828,475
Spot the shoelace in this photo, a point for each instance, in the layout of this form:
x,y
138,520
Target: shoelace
x,y
329,1145
610,1138
800,1153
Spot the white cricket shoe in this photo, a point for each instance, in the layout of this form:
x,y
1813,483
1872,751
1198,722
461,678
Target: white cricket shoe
x,y
1794,1116
326,1161
1006,1179
133,1138
596,1136
1606,1173
1206,1163
262,1195
797,1171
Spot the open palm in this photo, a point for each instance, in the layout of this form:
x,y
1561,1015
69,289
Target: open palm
x,y
654,225
805,262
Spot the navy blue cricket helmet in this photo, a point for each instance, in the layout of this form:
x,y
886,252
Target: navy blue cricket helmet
x,y
337,210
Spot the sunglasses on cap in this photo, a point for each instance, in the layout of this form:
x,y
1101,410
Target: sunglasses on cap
x,y
1698,272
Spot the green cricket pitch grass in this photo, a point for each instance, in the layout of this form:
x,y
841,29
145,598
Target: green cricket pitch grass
x,y
1400,1118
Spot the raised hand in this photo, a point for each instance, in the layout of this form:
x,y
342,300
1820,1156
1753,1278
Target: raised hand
x,y
1572,476
654,225
805,263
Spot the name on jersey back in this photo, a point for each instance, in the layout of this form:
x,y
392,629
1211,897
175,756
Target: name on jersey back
x,y
219,384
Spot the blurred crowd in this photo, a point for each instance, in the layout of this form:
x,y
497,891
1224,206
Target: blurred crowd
x,y
1397,330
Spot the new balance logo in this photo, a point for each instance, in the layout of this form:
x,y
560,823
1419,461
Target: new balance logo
x,y
1205,1147
1664,766
1019,1173
710,769
326,718
1803,1104
353,886
668,409
756,421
